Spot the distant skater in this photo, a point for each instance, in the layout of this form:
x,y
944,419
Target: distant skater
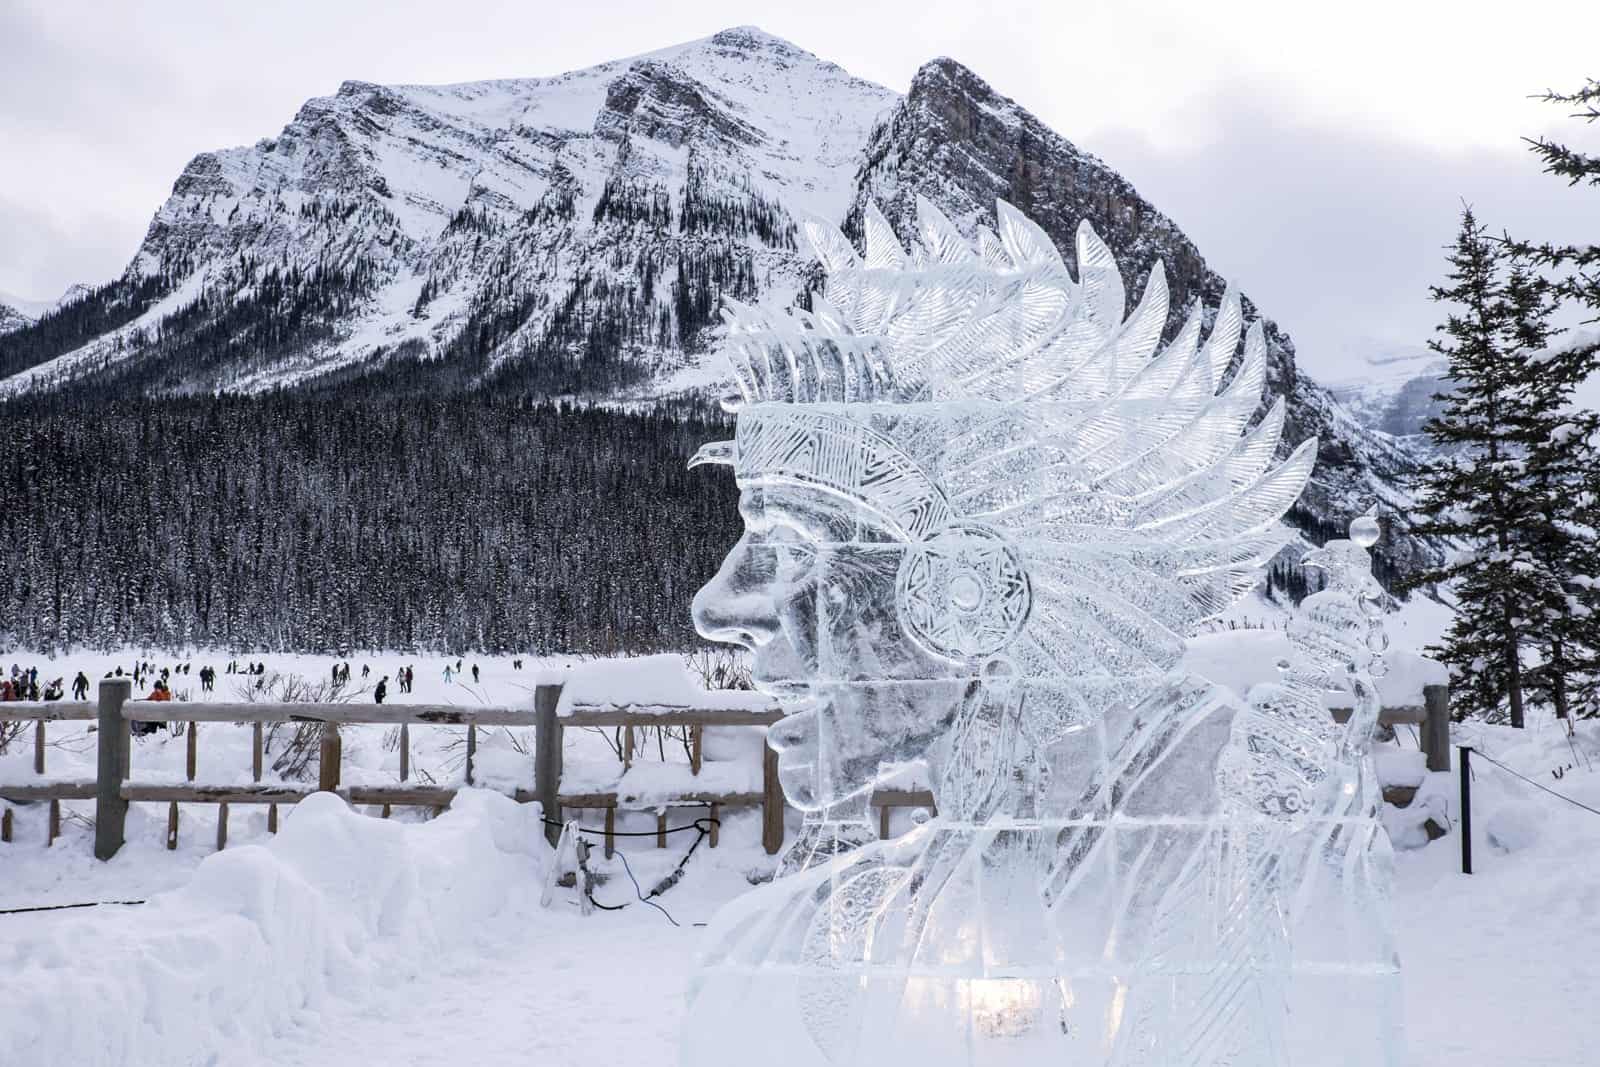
x,y
474,674
447,674
80,687
382,691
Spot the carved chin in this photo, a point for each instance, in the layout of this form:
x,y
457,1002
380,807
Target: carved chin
x,y
799,781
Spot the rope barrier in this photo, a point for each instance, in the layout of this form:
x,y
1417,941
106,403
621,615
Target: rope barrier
x,y
1536,785
704,824
639,833
61,907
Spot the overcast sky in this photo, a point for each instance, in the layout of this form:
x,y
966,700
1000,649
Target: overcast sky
x,y
1319,158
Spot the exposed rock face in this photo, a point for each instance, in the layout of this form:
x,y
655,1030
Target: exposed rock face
x,y
577,233
1395,392
956,141
12,319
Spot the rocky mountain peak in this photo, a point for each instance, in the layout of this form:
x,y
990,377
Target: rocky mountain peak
x,y
662,102
577,233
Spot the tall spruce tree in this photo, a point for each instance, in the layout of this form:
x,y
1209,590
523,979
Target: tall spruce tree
x,y
1560,464
1564,462
1473,493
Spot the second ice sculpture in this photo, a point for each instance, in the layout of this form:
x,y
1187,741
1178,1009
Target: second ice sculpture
x,y
982,514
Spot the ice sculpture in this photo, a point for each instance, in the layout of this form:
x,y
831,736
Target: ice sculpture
x,y
982,514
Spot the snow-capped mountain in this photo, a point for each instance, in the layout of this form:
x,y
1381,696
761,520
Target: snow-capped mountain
x,y
577,233
1394,390
17,311
512,217
11,318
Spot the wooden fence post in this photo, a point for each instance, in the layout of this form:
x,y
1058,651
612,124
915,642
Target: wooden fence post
x,y
190,758
110,810
1436,726
38,747
472,748
547,742
771,802
328,758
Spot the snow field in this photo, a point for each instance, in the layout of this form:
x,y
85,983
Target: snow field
x,y
371,757
352,939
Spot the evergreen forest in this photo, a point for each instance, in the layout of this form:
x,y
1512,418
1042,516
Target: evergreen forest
x,y
303,522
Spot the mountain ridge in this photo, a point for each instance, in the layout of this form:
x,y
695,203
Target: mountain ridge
x,y
575,234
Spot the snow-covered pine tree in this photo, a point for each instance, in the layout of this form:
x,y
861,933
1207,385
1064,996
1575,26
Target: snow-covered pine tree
x,y
1563,461
1579,168
1559,479
1474,492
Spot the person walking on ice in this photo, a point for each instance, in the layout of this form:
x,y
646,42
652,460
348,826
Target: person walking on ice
x,y
447,674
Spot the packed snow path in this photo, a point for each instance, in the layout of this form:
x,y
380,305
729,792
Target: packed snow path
x,y
1493,976
602,990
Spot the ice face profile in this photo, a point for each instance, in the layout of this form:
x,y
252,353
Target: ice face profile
x,y
984,508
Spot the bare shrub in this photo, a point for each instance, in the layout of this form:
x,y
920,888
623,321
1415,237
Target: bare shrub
x,y
719,667
294,747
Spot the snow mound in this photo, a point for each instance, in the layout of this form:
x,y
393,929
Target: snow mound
x,y
662,680
337,901
1513,827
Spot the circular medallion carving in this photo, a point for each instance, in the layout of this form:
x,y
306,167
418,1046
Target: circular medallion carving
x,y
963,592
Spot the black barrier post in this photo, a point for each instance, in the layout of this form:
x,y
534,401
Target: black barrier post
x,y
1466,809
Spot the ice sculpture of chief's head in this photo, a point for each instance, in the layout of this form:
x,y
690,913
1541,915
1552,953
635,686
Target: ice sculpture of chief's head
x,y
980,508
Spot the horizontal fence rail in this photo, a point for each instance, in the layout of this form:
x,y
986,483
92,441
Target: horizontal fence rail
x,y
113,789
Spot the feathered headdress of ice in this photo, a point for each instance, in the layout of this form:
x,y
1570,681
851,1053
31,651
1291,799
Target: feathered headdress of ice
x,y
1078,498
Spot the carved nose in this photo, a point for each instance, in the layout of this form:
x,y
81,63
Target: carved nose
x,y
788,733
736,606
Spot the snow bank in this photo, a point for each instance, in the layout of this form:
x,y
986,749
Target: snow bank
x,y
337,901
648,680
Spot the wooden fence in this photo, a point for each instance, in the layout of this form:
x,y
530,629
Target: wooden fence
x,y
114,787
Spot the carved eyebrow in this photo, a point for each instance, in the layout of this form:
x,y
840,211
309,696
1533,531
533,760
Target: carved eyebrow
x,y
817,523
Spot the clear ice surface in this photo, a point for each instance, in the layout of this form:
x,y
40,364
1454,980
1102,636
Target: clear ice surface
x,y
984,508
